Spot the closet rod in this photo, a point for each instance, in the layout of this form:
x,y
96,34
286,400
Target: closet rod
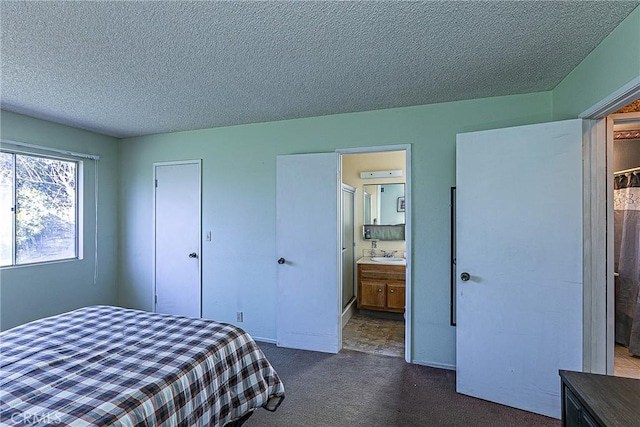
x,y
50,149
627,170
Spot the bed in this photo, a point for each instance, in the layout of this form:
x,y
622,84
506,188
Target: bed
x,y
105,366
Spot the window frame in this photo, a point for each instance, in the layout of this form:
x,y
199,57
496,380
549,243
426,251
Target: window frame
x,y
79,196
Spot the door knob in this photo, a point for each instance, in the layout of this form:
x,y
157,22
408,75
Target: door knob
x,y
281,261
193,255
465,276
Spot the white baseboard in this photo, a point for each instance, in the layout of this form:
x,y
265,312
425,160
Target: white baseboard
x,y
446,366
267,340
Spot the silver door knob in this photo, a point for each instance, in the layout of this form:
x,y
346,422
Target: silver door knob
x,y
465,276
193,255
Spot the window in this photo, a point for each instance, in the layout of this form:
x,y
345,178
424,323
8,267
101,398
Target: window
x,y
38,209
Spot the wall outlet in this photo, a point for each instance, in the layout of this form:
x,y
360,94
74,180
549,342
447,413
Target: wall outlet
x,y
239,316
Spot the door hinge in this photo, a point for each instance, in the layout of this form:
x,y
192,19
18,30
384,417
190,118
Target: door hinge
x,y
156,299
156,183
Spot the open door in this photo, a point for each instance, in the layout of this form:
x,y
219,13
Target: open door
x,y
519,263
308,250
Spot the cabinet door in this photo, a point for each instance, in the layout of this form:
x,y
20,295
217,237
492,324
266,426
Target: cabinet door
x,y
572,410
373,294
395,296
587,421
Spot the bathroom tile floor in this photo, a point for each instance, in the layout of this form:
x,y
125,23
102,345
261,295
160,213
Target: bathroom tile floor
x,y
624,364
369,334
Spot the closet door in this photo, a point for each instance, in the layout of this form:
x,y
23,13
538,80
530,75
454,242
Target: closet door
x,y
178,270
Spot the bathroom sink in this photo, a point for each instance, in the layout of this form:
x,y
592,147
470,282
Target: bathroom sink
x,y
393,260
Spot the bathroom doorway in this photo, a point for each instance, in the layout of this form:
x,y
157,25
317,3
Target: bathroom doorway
x,y
376,320
625,162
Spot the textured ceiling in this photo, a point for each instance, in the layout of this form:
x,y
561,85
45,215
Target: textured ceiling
x,y
135,68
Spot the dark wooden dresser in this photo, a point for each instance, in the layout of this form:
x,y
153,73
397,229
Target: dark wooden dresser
x,y
599,400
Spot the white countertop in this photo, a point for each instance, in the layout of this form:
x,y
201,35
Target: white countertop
x,y
367,260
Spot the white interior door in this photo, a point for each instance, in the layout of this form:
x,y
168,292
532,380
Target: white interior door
x,y
307,243
519,238
177,238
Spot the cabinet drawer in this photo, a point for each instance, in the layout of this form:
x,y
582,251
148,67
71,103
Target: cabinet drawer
x,y
382,272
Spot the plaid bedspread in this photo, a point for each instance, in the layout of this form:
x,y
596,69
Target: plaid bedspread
x,y
108,366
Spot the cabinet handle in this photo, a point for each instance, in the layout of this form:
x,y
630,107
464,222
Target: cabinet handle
x,y
379,290
391,291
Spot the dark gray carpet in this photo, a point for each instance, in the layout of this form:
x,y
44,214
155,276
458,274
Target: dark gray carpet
x,y
359,389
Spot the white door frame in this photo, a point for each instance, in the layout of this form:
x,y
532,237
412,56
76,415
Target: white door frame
x,y
153,221
611,120
598,315
408,354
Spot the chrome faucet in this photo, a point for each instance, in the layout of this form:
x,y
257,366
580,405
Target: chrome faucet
x,y
388,254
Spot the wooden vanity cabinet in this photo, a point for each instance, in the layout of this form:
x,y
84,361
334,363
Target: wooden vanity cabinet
x,y
381,287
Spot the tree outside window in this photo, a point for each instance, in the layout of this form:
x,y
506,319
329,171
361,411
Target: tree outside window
x,y
38,209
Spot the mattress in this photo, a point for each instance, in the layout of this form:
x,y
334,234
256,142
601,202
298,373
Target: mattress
x,y
106,366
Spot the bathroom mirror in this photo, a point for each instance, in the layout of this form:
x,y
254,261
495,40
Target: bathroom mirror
x,y
383,204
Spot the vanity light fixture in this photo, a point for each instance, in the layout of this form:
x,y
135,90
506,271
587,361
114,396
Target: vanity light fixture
x,y
381,174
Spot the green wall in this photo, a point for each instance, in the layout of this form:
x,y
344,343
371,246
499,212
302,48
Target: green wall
x,y
611,65
239,183
32,292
